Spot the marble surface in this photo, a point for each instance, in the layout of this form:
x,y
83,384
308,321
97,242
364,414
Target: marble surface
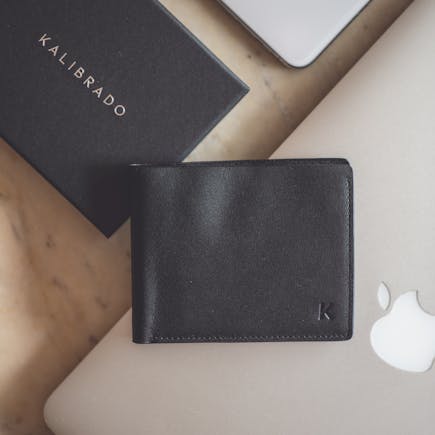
x,y
62,284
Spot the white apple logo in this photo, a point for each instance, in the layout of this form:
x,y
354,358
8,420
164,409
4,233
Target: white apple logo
x,y
405,337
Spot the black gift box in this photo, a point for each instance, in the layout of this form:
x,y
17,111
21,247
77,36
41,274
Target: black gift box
x,y
88,87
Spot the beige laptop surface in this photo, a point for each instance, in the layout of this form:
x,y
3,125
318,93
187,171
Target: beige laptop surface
x,y
381,117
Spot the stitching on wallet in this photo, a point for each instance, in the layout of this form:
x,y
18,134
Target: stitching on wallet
x,y
250,163
248,337
326,162
349,198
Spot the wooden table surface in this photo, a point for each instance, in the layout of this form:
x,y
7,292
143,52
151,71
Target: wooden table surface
x,y
62,284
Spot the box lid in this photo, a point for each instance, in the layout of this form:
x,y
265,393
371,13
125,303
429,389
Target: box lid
x,y
89,87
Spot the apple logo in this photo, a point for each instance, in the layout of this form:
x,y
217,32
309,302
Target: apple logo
x,y
405,337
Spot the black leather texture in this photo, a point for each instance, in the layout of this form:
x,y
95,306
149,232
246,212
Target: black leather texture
x,y
242,251
173,89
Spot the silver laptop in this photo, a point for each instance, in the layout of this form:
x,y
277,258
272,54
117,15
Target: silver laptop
x,y
297,31
381,118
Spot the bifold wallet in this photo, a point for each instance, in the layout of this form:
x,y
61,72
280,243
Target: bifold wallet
x,y
242,251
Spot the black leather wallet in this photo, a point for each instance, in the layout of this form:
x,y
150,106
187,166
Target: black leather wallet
x,y
242,251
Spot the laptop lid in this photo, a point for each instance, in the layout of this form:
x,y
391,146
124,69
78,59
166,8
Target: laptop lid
x,y
380,117
297,31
